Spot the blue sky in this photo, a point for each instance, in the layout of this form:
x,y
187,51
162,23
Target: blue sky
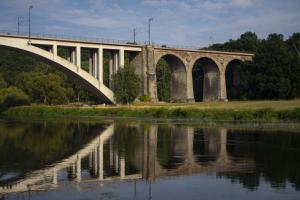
x,y
176,22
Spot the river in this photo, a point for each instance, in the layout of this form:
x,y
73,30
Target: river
x,y
114,159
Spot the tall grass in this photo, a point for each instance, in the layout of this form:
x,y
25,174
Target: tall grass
x,y
231,115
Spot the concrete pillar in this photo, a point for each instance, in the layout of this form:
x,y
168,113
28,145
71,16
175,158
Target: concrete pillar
x,y
78,56
223,91
121,57
54,50
111,69
190,86
78,168
151,73
95,63
115,62
91,63
73,55
100,161
122,168
100,65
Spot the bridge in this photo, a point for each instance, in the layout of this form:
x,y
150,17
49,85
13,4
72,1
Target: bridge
x,y
143,58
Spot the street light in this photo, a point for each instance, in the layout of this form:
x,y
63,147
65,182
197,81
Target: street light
x,y
20,22
149,30
29,24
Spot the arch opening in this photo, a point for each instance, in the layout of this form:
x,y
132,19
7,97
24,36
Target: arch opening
x,y
233,80
171,79
206,80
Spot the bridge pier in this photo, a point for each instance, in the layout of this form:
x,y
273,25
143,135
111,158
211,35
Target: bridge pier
x,y
223,91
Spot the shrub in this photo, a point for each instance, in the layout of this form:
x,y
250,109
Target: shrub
x,y
145,98
13,96
2,83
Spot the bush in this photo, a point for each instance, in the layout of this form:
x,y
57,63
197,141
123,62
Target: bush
x,y
13,96
145,98
2,83
127,85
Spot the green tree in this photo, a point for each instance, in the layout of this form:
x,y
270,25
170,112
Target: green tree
x,y
294,46
2,83
127,85
163,78
13,96
41,88
273,69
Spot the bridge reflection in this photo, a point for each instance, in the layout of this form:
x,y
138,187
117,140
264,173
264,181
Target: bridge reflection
x,y
156,151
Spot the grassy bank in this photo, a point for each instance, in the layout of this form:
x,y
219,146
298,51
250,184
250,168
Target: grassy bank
x,y
246,111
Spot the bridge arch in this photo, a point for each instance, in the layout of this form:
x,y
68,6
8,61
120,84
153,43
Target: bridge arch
x,y
232,74
91,83
206,79
178,77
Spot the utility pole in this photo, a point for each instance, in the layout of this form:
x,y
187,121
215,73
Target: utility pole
x,y
29,24
20,22
134,35
149,30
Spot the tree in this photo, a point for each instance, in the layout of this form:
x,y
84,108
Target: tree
x,y
2,83
13,96
163,79
41,88
127,85
273,69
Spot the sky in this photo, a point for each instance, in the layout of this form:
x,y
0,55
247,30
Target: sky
x,y
196,23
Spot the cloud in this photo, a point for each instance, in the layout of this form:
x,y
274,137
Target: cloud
x,y
185,22
242,3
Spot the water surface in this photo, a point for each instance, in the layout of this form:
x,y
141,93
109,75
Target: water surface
x,y
82,159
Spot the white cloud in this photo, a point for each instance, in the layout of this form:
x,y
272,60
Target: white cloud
x,y
242,3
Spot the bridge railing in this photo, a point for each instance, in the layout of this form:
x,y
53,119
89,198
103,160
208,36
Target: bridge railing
x,y
68,37
89,39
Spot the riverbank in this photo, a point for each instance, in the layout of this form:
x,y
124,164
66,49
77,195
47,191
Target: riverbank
x,y
236,111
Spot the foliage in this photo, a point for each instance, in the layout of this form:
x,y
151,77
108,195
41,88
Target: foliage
x,y
13,96
2,83
257,111
127,85
145,98
163,78
275,71
41,82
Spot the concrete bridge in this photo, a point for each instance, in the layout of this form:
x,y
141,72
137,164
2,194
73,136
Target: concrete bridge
x,y
142,57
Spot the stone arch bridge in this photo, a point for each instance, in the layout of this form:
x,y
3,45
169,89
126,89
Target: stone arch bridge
x,y
143,58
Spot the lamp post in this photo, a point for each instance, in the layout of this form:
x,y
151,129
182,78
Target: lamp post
x,y
149,30
29,24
